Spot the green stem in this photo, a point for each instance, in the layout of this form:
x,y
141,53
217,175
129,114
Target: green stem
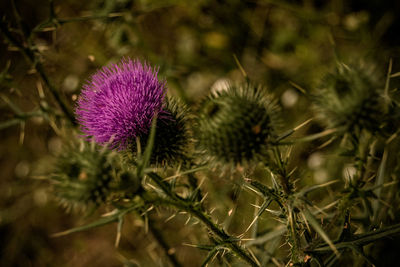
x,y
281,173
293,236
32,58
226,239
364,149
195,211
39,68
362,239
283,177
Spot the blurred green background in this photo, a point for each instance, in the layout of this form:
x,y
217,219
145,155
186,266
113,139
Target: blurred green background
x,y
285,45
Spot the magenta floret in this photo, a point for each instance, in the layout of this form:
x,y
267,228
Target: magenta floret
x,y
118,103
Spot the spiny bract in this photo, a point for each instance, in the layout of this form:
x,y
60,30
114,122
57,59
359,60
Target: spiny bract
x,y
172,140
237,125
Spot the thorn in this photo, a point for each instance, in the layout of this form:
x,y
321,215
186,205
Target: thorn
x,y
230,212
240,66
326,143
114,211
298,87
188,219
252,223
391,138
190,245
170,218
117,239
254,257
146,211
256,206
22,134
204,197
39,87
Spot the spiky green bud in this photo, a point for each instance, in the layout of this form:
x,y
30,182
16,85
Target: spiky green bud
x,y
173,139
83,176
237,125
350,98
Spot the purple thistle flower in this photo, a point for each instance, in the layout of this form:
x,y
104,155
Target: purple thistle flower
x,y
118,102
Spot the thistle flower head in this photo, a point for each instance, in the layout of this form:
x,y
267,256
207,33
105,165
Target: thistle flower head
x,y
83,176
350,98
118,103
237,125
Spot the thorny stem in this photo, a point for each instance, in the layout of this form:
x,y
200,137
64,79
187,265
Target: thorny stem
x,y
294,238
39,68
362,239
226,239
32,58
363,159
195,210
283,178
284,183
281,173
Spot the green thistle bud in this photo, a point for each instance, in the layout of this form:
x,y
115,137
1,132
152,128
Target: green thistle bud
x,y
83,176
237,125
350,98
173,139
